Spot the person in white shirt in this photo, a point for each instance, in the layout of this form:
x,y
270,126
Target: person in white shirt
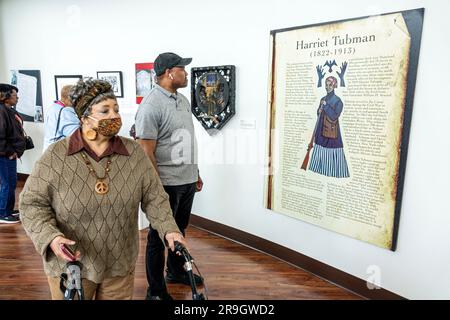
x,y
60,120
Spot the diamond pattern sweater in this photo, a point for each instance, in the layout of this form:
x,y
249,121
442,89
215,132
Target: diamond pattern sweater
x,y
59,199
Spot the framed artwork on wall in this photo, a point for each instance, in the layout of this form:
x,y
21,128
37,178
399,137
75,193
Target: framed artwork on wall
x,y
340,105
213,96
29,105
63,80
145,80
115,79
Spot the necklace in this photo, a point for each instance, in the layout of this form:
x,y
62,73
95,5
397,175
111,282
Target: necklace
x,y
100,187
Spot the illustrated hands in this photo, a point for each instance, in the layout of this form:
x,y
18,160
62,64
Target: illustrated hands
x,y
320,75
342,73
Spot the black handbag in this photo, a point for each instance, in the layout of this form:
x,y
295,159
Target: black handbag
x,y
28,143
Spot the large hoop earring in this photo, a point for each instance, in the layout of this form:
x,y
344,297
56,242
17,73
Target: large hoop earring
x,y
91,134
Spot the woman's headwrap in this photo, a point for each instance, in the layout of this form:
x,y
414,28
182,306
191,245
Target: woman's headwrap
x,y
85,92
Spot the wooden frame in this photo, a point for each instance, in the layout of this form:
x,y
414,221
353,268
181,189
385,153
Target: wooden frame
x,y
353,182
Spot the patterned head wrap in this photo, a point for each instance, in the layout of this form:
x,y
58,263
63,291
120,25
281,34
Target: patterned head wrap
x,y
89,92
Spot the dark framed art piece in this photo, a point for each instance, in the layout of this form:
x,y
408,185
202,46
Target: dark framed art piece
x,y
213,95
29,105
340,105
63,80
115,79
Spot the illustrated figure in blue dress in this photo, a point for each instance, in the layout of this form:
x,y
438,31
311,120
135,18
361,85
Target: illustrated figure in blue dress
x,y
328,156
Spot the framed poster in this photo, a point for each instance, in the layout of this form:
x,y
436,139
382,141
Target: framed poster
x,y
213,95
63,80
340,105
145,80
29,105
115,79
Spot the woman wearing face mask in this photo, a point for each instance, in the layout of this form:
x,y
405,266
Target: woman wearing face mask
x,y
84,193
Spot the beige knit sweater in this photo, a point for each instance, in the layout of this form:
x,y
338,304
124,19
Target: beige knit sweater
x,y
59,199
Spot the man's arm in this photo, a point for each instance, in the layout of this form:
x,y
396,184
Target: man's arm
x,y
149,147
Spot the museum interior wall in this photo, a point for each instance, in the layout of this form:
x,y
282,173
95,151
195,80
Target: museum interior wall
x,y
83,37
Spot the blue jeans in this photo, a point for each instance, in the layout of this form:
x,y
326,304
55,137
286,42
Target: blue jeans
x,y
8,181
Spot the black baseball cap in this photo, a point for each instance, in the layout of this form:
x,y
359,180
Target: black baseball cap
x,y
168,60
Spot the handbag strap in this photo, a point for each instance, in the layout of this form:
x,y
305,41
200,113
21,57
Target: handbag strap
x,y
20,120
59,119
24,132
56,138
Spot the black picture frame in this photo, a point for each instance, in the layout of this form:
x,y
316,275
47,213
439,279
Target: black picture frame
x,y
62,80
115,79
30,113
213,95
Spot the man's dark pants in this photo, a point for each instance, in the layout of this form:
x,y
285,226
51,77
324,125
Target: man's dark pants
x,y
181,199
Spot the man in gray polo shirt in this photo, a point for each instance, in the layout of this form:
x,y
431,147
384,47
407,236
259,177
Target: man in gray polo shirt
x,y
165,130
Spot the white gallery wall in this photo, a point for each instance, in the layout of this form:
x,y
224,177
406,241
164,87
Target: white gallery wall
x,y
83,37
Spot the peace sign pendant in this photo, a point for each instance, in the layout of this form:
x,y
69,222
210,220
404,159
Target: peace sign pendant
x,y
101,187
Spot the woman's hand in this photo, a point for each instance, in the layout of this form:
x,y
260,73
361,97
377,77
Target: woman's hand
x,y
13,156
171,237
56,244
